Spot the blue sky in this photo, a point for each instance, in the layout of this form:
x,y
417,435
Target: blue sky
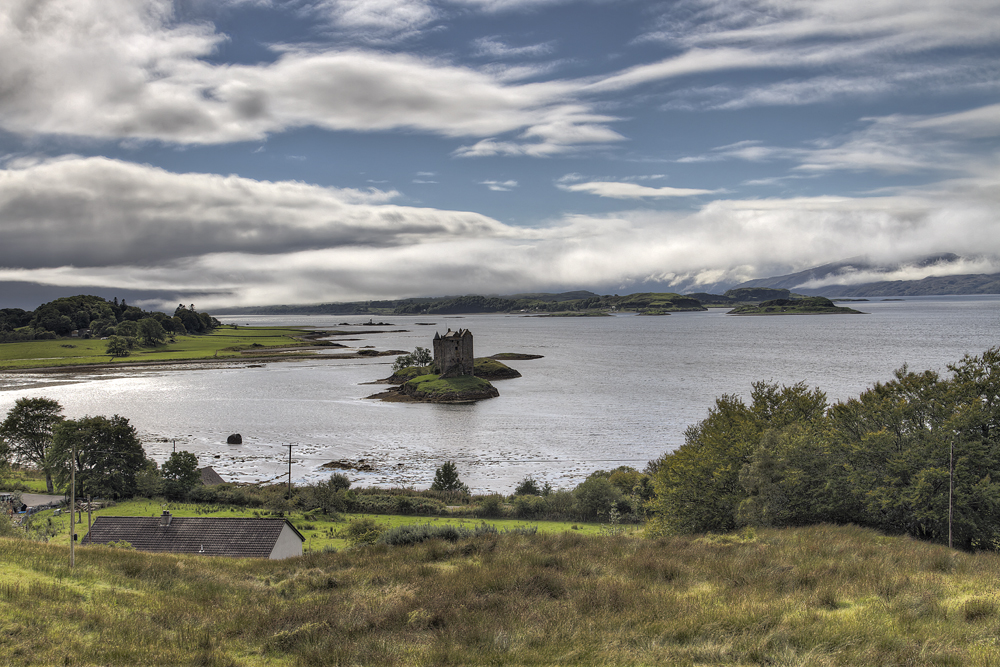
x,y
248,152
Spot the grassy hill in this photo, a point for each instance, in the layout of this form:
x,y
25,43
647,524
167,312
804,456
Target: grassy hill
x,y
809,596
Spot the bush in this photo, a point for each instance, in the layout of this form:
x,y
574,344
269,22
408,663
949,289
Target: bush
x,y
528,487
528,507
596,496
363,531
490,507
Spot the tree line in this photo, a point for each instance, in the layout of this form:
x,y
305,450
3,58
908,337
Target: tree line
x,y
100,318
882,460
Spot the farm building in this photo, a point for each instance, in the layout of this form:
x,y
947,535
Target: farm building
x,y
207,536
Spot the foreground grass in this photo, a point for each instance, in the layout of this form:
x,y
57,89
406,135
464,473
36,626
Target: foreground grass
x,y
810,596
224,342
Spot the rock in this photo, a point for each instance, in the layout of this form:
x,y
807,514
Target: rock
x,y
234,439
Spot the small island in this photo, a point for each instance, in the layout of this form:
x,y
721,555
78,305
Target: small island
x,y
454,376
812,305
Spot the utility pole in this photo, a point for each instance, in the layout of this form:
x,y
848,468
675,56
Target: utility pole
x,y
289,471
72,509
951,487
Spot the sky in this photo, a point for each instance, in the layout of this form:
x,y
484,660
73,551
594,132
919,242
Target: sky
x,y
253,152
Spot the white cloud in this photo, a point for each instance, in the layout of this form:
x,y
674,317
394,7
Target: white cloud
x,y
893,144
493,47
378,20
619,190
73,68
94,211
499,186
101,222
872,47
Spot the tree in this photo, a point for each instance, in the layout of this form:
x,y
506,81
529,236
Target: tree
x,y
446,479
109,455
180,474
27,430
421,356
528,487
698,485
151,332
127,328
596,495
118,346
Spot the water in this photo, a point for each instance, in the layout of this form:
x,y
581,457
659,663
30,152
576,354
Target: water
x,y
609,391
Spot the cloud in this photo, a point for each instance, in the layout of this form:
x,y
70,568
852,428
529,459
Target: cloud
x,y
619,190
492,47
894,144
100,222
377,20
73,68
874,48
499,186
97,211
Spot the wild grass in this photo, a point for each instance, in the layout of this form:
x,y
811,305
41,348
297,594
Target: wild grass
x,y
221,343
810,596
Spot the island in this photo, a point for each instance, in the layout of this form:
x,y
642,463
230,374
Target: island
x,y
454,376
811,305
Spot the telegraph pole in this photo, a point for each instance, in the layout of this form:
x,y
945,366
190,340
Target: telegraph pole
x,y
951,487
289,471
72,509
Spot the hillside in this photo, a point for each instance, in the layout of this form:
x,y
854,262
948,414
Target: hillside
x,y
817,596
839,279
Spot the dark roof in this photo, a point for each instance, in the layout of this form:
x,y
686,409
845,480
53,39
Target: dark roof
x,y
209,477
209,536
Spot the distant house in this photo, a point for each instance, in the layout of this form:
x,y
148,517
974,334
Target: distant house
x,y
207,536
209,477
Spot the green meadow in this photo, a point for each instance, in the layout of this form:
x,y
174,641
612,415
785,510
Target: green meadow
x,y
222,343
816,596
322,532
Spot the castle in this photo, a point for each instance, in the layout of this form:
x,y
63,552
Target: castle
x,y
453,353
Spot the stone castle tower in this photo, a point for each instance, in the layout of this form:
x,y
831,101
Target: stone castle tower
x,y
453,353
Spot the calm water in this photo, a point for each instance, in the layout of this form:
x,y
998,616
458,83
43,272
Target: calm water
x,y
609,391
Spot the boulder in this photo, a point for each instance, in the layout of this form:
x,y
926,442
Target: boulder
x,y
234,439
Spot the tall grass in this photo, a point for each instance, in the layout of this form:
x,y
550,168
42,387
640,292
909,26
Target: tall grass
x,y
811,596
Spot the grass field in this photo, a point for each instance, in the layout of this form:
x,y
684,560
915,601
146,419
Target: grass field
x,y
321,532
224,342
818,596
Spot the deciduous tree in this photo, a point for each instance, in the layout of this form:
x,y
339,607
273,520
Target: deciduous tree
x,y
27,430
109,455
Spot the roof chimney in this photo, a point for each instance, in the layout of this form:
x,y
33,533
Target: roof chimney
x,y
165,519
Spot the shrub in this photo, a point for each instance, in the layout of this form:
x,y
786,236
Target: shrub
x,y
596,496
527,507
363,531
490,507
528,487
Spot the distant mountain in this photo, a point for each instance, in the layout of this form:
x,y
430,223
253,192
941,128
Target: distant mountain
x,y
841,279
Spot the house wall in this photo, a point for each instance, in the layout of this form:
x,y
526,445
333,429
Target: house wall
x,y
287,545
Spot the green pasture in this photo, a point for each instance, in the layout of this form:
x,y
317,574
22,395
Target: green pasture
x,y
224,342
321,531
